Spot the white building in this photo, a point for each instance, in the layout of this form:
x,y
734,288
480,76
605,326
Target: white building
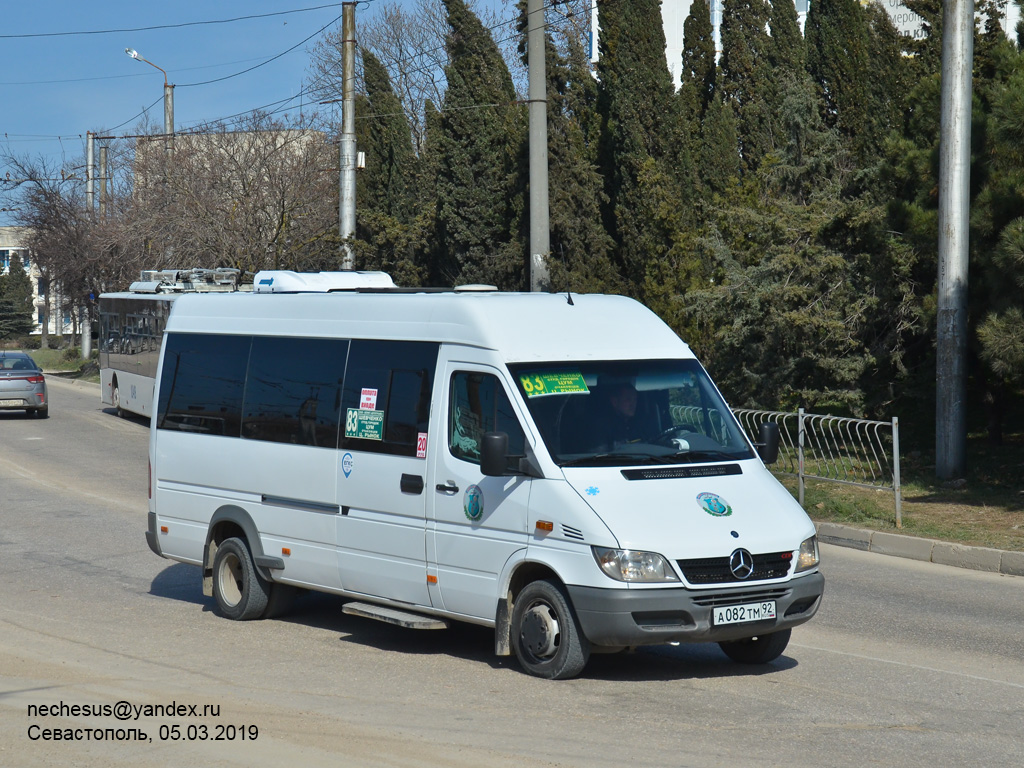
x,y
13,243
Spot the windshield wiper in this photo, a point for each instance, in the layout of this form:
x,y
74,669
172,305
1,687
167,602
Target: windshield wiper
x,y
613,458
694,456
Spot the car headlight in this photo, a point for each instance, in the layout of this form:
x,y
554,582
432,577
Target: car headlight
x,y
631,565
808,556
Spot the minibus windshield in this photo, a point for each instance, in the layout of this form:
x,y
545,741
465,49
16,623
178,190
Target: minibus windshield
x,y
629,412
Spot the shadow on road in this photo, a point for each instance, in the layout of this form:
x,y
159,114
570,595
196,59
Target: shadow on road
x,y
475,643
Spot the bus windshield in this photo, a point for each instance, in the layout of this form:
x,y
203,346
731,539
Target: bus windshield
x,y
615,412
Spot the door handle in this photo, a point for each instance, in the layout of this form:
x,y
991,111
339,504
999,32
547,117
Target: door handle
x,y
448,488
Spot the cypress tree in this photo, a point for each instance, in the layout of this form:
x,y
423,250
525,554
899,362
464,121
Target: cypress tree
x,y
838,52
481,147
386,226
388,145
786,50
698,72
643,145
787,73
718,160
581,249
745,76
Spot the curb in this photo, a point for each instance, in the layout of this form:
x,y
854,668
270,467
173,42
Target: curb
x,y
52,376
927,550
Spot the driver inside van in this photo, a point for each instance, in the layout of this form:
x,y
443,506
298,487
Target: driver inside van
x,y
623,423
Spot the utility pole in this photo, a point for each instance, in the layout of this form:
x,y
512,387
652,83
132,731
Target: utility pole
x,y
954,213
540,237
168,118
90,163
347,189
103,182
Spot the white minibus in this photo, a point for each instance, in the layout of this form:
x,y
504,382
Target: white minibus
x,y
560,468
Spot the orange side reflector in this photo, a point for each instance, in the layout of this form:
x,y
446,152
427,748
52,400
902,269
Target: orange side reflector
x,y
286,550
163,529
544,525
431,579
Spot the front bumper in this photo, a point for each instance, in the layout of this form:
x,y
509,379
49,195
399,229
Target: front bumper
x,y
151,534
627,617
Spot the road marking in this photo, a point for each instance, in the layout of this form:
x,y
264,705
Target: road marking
x,y
911,666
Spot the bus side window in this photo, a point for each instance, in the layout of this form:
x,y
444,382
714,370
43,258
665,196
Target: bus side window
x,y
479,404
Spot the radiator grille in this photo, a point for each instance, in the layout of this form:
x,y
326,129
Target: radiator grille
x,y
715,570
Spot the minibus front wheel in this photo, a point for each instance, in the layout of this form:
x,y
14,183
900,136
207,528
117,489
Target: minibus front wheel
x,y
546,635
241,593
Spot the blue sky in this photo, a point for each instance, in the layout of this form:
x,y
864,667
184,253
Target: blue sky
x,y
55,88
64,71
62,86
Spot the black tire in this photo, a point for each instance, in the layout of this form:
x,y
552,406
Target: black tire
x,y
241,593
759,649
546,635
43,413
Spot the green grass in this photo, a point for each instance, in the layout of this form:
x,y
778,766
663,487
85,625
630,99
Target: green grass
x,y
986,509
67,363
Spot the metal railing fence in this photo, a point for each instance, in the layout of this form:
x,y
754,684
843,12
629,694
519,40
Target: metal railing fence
x,y
834,448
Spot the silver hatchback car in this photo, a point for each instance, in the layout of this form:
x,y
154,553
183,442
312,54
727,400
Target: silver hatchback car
x,y
22,385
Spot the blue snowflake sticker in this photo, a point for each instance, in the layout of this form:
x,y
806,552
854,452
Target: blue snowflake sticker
x,y
593,490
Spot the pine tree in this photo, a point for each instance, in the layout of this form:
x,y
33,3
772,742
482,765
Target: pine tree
x,y
15,301
481,148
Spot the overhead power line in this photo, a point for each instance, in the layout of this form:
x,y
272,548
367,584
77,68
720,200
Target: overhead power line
x,y
168,26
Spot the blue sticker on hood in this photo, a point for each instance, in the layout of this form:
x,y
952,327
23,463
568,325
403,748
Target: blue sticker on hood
x,y
714,504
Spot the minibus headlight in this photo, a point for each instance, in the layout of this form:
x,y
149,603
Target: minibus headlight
x,y
631,565
808,557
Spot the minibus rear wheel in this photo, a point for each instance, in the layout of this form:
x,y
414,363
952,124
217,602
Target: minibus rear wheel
x,y
240,592
546,635
760,649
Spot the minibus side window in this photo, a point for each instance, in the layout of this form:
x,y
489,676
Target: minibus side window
x,y
385,404
478,405
202,383
293,391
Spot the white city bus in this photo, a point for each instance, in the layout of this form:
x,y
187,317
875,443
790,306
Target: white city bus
x,y
132,328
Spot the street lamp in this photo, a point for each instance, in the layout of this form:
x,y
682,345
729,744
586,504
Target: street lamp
x,y
168,103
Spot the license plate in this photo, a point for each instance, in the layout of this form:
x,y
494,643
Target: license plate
x,y
12,402
738,614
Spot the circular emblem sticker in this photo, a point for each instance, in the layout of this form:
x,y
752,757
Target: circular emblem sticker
x,y
473,502
714,504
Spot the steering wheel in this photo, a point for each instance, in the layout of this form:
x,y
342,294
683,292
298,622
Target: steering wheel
x,y
673,431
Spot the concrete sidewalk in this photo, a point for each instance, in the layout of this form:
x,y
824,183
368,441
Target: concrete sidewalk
x,y
928,550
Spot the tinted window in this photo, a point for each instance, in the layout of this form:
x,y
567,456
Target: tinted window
x,y
478,405
293,394
202,383
386,402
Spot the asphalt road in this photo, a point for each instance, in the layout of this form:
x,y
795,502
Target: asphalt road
x,y
907,663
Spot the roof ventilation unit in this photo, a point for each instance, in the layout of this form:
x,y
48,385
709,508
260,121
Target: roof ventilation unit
x,y
282,281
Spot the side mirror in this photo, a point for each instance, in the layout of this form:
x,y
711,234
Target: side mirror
x,y
494,454
768,444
